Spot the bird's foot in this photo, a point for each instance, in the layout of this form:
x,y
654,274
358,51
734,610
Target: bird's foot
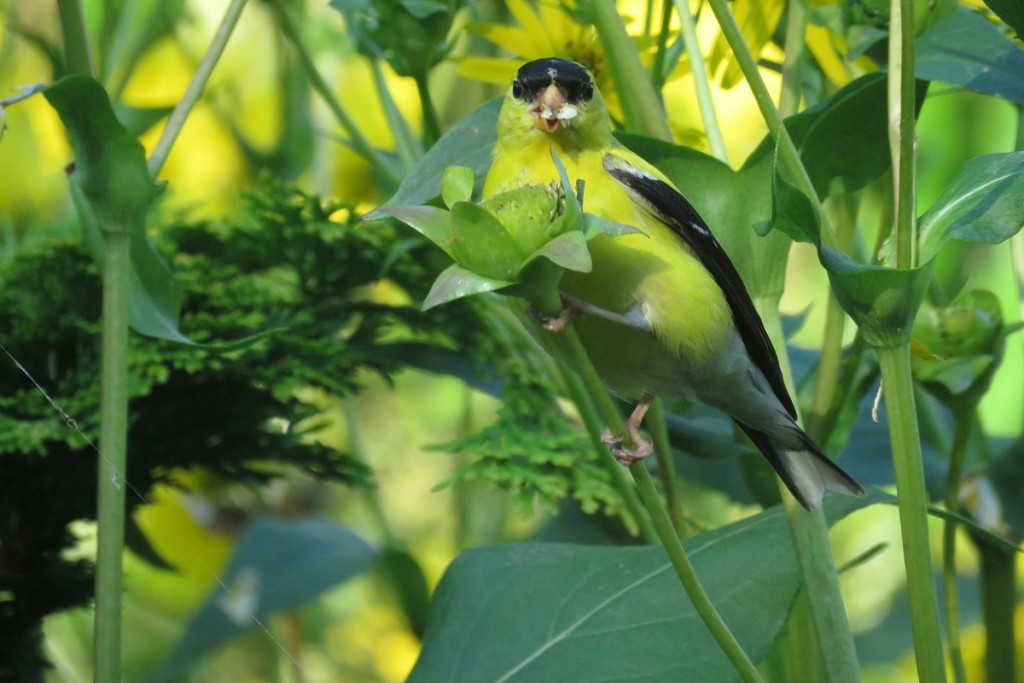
x,y
642,448
556,323
627,456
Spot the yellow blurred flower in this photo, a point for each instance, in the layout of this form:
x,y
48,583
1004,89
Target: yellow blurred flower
x,y
550,30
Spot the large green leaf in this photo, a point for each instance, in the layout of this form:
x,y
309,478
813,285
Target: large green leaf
x,y
276,565
467,143
967,50
843,140
113,190
985,203
554,612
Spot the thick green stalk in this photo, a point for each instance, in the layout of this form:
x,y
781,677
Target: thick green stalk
x,y
578,360
77,52
658,429
913,506
176,121
701,85
810,539
640,103
112,457
998,590
961,433
592,423
895,361
356,139
793,62
901,128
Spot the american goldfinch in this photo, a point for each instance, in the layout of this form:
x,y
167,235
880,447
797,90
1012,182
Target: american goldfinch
x,y
663,311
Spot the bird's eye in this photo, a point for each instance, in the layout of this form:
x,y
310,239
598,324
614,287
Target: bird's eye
x,y
517,89
587,91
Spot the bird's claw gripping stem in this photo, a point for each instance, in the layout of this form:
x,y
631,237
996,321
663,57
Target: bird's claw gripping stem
x,y
642,448
627,456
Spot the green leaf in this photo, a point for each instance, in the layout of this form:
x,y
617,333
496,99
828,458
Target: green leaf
x,y
110,164
406,577
568,250
138,120
482,244
985,204
967,50
1011,12
422,9
456,282
882,301
433,223
792,211
844,141
467,143
456,185
113,190
276,565
554,612
598,225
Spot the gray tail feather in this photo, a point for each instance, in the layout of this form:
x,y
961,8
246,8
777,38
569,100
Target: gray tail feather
x,y
807,472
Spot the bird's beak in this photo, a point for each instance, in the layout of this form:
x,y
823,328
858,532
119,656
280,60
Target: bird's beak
x,y
551,112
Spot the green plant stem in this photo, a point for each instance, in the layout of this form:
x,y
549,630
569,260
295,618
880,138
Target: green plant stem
x,y
658,74
961,432
828,395
913,508
640,103
658,429
431,126
77,51
593,425
825,399
112,461
688,577
701,85
410,149
358,451
648,16
789,154
810,539
176,121
998,591
901,128
793,62
578,360
356,140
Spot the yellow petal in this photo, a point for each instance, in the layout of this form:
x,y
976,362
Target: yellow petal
x,y
757,20
511,38
537,44
819,42
489,69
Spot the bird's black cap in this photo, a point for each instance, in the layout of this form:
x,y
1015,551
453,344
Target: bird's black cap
x,y
570,77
